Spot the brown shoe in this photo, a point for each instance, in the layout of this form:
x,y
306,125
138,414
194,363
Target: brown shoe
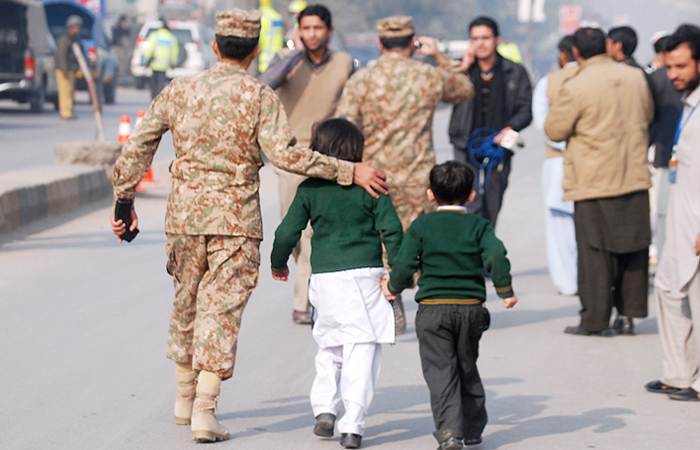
x,y
301,317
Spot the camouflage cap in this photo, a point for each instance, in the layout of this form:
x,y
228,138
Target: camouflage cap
x,y
239,23
395,26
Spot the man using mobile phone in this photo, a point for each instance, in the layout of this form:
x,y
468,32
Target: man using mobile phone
x,y
394,102
308,80
503,102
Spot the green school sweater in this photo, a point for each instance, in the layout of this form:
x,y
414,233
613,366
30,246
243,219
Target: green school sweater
x,y
451,249
349,227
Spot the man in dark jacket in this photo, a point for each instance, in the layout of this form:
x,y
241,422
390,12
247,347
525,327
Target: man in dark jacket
x,y
67,66
621,44
503,102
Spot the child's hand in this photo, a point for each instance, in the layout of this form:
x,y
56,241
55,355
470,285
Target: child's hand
x,y
281,275
510,302
385,288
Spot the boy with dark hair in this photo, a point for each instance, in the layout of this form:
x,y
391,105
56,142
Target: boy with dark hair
x,y
451,249
352,317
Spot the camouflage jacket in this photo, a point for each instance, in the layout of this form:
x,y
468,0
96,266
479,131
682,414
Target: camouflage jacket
x,y
220,119
394,102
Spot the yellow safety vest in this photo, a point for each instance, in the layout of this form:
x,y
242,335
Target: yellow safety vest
x,y
162,50
271,36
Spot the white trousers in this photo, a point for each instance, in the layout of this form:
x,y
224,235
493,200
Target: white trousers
x,y
349,373
560,234
679,329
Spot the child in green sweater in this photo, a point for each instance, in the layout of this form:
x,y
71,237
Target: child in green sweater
x,y
451,249
352,317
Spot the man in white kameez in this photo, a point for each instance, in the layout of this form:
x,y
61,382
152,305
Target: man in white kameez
x,y
560,234
677,283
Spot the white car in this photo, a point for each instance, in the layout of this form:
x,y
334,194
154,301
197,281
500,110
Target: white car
x,y
196,54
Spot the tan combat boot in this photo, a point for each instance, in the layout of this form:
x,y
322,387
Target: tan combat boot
x,y
186,385
205,427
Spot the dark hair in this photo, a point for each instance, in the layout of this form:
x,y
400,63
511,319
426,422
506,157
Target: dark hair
x,y
338,138
589,42
660,44
566,46
233,47
317,10
487,21
451,182
396,42
689,34
163,22
627,36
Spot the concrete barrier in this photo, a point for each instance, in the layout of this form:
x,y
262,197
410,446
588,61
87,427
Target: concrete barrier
x,y
33,194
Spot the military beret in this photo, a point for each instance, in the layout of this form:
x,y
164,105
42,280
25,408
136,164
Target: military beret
x,y
239,23
395,26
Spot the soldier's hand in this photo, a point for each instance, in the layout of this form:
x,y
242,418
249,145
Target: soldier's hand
x,y
370,179
281,275
428,46
119,227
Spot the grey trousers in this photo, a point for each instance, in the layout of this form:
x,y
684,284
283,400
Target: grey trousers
x,y
448,343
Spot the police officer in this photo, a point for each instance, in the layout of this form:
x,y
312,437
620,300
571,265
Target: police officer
x,y
395,100
161,54
271,34
67,66
220,120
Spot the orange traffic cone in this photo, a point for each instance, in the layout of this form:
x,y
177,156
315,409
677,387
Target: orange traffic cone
x,y
139,117
124,129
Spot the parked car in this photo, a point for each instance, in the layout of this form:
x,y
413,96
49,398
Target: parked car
x,y
196,54
27,55
100,57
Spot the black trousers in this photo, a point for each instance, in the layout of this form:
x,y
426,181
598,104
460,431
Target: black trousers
x,y
448,341
158,83
487,203
612,238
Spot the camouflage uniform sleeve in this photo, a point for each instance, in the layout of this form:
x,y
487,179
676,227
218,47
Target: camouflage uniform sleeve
x,y
351,99
458,88
138,151
277,141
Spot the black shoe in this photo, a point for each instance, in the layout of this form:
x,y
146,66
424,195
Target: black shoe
x,y
473,441
623,325
350,440
324,425
452,443
686,395
658,387
578,330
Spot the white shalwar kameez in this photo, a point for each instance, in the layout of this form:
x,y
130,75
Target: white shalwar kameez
x,y
352,318
677,281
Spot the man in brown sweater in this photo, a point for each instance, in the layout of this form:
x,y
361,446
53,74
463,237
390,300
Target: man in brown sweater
x,y
603,112
309,80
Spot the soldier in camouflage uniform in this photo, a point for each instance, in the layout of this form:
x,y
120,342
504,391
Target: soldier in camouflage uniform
x,y
220,119
394,102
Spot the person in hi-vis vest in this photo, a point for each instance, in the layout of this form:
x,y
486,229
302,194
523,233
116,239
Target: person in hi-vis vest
x,y
161,54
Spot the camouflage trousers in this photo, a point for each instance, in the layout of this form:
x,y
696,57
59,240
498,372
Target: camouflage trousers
x,y
213,278
410,203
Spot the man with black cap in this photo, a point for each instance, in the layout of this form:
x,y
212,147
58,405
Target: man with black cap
x,y
67,66
220,119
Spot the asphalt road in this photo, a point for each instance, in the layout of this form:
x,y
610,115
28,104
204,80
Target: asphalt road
x,y
83,323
